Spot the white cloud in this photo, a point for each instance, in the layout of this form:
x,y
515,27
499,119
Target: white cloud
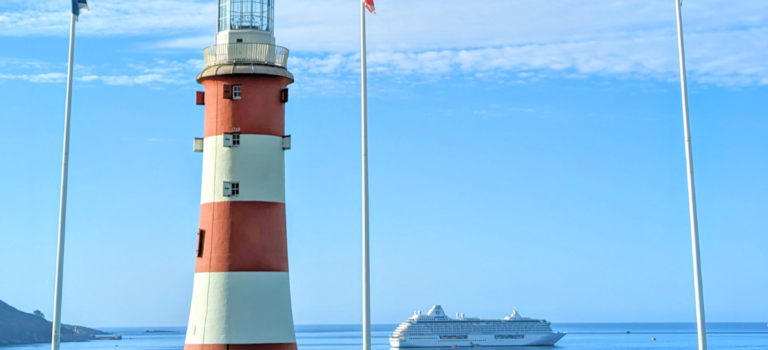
x,y
139,79
107,17
196,43
437,37
160,72
36,78
425,25
331,64
162,66
22,64
653,57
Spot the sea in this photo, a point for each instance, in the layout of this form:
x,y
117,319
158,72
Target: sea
x,y
580,336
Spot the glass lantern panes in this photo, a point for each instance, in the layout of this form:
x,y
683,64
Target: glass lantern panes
x,y
246,14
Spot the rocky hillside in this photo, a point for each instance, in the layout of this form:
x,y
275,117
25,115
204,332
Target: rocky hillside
x,y
18,327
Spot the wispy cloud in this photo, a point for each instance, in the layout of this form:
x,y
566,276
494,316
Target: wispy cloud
x,y
22,64
195,43
138,79
107,17
159,72
647,57
435,38
36,78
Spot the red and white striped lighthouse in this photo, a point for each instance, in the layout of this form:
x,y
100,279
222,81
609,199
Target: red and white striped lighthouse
x,y
241,297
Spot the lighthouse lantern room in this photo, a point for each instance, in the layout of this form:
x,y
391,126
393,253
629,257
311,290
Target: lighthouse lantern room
x,y
246,21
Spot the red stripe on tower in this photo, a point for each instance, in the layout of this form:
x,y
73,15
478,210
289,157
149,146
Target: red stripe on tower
x,y
241,295
247,236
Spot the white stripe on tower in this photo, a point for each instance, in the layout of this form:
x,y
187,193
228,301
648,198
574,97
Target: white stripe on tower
x,y
258,164
236,305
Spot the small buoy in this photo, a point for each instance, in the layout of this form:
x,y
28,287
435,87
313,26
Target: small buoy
x,y
654,339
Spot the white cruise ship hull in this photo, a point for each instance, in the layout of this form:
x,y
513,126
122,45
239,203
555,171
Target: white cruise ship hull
x,y
476,340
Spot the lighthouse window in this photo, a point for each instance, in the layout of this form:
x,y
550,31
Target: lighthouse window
x,y
231,140
231,189
236,92
200,243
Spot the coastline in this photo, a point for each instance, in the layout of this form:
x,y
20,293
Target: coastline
x,y
19,328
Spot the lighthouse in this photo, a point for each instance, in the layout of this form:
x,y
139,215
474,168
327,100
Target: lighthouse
x,y
241,295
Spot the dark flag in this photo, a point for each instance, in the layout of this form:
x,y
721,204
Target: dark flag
x,y
78,5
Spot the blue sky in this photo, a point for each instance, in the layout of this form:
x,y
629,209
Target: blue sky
x,y
523,154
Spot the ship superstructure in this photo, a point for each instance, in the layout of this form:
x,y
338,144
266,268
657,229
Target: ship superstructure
x,y
436,329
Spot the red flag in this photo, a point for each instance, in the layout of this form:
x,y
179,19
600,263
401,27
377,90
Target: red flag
x,y
370,7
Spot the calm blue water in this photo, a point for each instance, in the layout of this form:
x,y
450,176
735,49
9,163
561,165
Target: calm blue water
x,y
581,336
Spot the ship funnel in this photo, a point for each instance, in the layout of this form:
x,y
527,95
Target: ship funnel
x,y
436,310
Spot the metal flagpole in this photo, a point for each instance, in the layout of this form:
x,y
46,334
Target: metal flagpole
x,y
56,339
366,258
698,286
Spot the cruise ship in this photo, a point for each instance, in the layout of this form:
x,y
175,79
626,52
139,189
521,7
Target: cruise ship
x,y
435,329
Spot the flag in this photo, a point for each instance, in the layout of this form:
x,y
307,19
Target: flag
x,y
368,5
78,5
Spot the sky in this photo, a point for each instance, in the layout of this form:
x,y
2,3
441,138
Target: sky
x,y
523,153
